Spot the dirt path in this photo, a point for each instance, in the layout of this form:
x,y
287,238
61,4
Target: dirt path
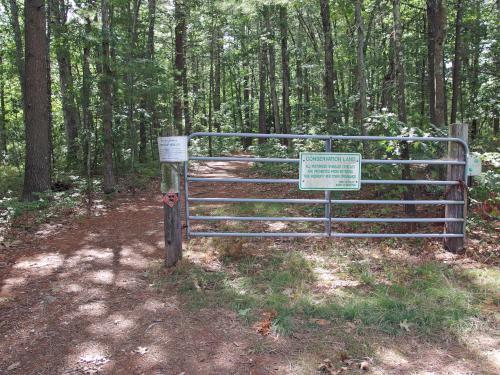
x,y
75,298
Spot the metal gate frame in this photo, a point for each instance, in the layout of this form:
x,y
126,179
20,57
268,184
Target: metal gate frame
x,y
327,201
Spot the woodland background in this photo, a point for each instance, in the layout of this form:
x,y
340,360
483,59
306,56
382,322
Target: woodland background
x,y
87,86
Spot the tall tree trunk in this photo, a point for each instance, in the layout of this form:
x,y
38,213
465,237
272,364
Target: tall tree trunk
x,y
70,110
299,81
185,92
217,46
18,40
400,84
285,72
262,88
431,43
457,63
247,126
361,110
474,74
332,115
107,101
437,22
130,78
271,68
3,130
86,93
152,96
36,112
180,29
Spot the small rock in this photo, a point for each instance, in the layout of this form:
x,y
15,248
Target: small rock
x,y
14,366
364,366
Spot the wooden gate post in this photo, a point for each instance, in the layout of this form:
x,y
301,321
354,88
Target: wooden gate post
x,y
172,213
456,192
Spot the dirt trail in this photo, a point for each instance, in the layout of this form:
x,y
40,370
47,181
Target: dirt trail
x,y
75,299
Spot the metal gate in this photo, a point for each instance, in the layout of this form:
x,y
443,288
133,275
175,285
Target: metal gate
x,y
327,202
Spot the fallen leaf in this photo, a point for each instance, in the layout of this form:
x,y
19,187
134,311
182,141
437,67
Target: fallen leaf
x,y
14,366
264,326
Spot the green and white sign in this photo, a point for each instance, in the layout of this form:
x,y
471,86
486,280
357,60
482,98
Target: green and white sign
x,y
473,165
329,171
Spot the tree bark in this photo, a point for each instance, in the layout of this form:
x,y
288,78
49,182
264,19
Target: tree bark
x,y
71,114
285,72
437,22
36,112
361,110
332,115
271,68
18,40
262,88
180,29
86,93
400,84
431,43
107,101
457,63
3,130
217,46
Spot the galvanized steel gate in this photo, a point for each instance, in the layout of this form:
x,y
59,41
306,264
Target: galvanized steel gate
x,y
327,202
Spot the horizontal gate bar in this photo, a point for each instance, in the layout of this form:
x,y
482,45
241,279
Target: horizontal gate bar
x,y
249,234
321,201
296,181
259,218
258,200
288,160
340,235
334,137
334,219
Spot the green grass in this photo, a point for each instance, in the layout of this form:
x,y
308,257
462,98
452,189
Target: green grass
x,y
430,299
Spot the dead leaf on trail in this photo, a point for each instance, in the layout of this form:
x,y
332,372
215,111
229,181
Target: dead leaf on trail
x,y
264,326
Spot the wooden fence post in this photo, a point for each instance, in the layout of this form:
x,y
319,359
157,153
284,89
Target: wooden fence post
x,y
456,192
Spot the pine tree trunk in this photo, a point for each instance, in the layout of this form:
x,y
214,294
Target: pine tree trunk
x,y
86,93
361,110
271,68
400,84
18,40
457,63
431,43
107,101
247,126
71,114
438,24
36,112
217,46
299,81
152,97
3,131
262,88
332,115
285,72
180,29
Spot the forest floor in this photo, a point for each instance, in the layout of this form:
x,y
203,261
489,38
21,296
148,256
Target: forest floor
x,y
87,294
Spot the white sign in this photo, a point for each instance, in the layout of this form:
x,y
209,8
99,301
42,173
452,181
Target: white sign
x,y
329,171
473,165
173,149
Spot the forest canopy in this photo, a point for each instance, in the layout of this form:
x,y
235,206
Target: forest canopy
x,y
87,86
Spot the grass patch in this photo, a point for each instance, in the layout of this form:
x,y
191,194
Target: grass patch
x,y
429,299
